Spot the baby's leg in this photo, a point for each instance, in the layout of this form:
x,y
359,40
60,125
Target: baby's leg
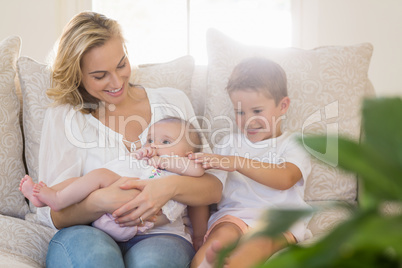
x,y
76,191
27,188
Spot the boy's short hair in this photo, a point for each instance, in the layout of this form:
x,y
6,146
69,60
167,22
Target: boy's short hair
x,y
194,138
260,74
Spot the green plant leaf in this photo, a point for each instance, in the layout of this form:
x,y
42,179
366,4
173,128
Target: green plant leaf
x,y
381,178
272,223
276,221
357,242
382,127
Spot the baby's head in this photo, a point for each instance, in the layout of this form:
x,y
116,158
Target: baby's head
x,y
258,90
174,136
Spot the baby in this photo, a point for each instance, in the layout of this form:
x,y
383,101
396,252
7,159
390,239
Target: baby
x,y
168,143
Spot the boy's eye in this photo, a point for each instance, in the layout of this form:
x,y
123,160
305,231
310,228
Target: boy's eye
x,y
165,142
257,111
239,112
150,141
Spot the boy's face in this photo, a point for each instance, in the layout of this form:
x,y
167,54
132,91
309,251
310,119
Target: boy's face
x,y
257,116
168,138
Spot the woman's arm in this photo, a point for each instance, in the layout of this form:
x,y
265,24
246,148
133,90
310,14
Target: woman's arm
x,y
99,202
191,191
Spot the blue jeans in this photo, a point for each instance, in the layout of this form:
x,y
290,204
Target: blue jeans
x,y
86,246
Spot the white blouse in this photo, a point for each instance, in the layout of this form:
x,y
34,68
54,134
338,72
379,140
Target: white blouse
x,y
73,143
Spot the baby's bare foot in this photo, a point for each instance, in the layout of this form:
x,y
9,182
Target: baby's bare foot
x,y
27,188
47,195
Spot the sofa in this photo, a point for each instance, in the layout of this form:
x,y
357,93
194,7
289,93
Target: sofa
x,y
326,87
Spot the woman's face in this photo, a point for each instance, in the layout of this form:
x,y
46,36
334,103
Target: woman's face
x,y
106,71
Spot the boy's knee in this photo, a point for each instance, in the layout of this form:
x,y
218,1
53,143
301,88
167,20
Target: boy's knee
x,y
226,231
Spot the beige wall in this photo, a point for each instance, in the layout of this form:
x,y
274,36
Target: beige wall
x,y
38,22
346,22
318,23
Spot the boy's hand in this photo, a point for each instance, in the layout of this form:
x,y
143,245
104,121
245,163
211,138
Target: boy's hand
x,y
214,161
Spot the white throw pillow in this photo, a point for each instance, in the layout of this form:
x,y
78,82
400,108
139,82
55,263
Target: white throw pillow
x,y
12,202
35,80
325,85
176,74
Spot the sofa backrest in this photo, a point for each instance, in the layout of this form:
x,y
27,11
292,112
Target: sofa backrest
x,y
326,86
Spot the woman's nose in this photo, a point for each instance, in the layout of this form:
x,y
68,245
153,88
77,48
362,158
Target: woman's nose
x,y
116,81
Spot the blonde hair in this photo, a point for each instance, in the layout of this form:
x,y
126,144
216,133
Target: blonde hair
x,y
259,74
85,31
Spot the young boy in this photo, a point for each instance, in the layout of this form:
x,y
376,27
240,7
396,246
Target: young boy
x,y
266,167
168,143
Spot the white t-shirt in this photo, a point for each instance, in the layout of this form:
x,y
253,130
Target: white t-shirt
x,y
73,143
247,199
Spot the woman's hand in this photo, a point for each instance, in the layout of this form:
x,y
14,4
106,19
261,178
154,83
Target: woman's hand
x,y
214,161
108,199
188,190
153,195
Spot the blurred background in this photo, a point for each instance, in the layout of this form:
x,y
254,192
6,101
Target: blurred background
x,y
161,30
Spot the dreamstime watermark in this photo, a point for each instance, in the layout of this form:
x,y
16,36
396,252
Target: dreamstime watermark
x,y
323,118
322,121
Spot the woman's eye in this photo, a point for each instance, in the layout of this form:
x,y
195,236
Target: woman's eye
x,y
99,77
121,66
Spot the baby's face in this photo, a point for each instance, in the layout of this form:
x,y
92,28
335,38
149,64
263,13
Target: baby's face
x,y
169,138
257,116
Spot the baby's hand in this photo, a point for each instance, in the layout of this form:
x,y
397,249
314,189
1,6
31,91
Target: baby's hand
x,y
144,153
158,162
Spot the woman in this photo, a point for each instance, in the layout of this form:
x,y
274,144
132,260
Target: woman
x,y
97,117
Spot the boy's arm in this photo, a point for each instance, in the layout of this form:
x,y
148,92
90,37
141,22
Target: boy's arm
x,y
199,220
178,165
278,176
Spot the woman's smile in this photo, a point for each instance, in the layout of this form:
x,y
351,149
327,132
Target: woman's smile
x,y
116,92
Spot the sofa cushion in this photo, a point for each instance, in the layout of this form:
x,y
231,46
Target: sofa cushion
x,y
198,89
23,243
35,80
12,169
176,74
325,85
